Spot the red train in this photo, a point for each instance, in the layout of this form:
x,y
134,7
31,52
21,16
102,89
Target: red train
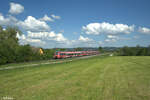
x,y
69,54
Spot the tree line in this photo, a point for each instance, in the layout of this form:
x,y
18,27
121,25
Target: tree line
x,y
134,51
127,51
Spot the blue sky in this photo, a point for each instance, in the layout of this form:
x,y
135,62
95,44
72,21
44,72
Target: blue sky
x,y
78,23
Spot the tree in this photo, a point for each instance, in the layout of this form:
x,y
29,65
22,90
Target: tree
x,y
78,49
100,49
48,53
148,50
1,28
10,49
8,44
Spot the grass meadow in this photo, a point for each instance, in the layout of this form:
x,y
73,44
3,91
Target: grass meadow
x,y
95,78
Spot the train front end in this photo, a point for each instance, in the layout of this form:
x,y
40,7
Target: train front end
x,y
56,55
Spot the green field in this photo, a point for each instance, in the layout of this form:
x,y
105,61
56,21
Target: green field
x,y
96,78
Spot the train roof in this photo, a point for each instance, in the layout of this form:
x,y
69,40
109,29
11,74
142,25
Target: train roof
x,y
75,51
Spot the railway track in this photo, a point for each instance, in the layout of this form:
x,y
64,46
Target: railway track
x,y
55,61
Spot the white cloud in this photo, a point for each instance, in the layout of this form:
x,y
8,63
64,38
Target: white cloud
x,y
46,18
16,8
29,24
55,17
9,20
84,42
84,39
47,36
144,30
52,39
27,40
55,40
21,36
60,37
4,29
112,37
99,28
37,34
136,37
110,40
107,40
33,24
100,42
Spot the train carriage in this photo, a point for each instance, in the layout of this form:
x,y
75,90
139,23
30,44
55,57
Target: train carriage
x,y
69,54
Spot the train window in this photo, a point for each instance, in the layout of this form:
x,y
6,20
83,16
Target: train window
x,y
70,54
62,53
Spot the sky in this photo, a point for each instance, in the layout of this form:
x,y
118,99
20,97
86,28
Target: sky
x,y
78,23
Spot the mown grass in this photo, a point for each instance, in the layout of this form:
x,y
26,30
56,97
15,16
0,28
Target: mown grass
x,y
28,63
97,78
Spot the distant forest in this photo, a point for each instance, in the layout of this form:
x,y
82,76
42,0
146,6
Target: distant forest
x,y
134,51
127,51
